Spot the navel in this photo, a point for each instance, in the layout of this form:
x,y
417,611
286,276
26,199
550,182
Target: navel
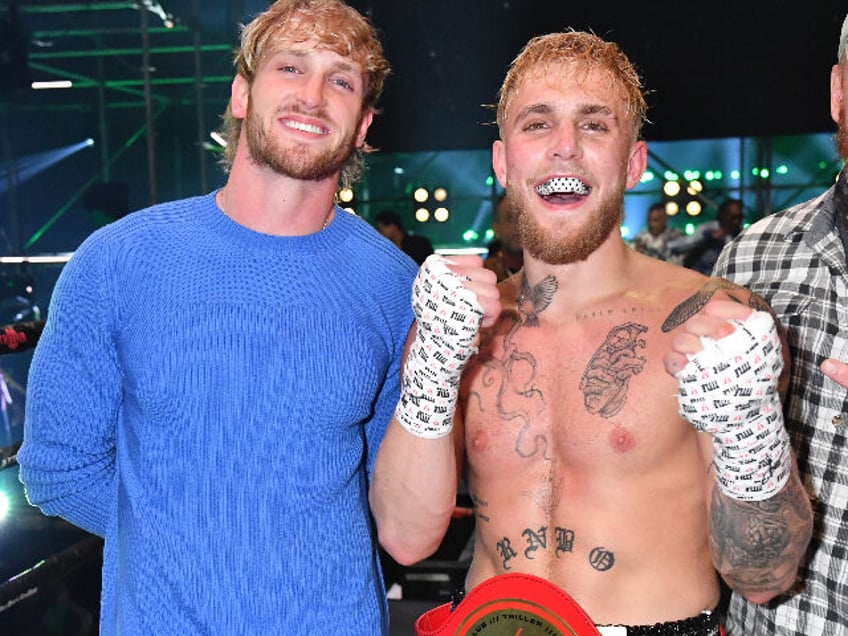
x,y
621,440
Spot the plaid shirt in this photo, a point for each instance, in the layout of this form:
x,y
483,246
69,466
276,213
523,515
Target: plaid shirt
x,y
796,261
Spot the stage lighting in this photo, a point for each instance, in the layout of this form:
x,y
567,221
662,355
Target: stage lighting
x,y
346,195
441,214
671,188
422,215
693,208
421,195
672,208
440,194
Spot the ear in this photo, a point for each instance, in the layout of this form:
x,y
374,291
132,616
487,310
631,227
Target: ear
x,y
836,92
239,97
499,161
636,163
364,124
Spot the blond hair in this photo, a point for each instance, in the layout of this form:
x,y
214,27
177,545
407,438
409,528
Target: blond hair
x,y
335,27
583,52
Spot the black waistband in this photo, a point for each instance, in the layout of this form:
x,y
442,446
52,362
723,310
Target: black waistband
x,y
705,624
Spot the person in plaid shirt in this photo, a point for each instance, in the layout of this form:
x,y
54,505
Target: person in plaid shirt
x,y
796,261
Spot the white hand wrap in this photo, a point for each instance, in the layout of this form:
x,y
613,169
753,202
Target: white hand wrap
x,y
730,390
448,318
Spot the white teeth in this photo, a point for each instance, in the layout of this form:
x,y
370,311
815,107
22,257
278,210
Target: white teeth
x,y
305,127
562,185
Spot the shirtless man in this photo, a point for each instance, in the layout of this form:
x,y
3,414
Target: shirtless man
x,y
568,423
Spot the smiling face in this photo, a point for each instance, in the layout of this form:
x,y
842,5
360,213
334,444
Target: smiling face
x,y
567,153
303,114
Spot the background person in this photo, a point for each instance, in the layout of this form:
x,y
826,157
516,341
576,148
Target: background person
x,y
213,381
417,247
796,259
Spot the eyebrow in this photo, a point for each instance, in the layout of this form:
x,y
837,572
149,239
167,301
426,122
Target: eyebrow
x,y
544,108
339,66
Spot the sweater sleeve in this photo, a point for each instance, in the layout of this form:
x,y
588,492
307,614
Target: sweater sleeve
x,y
67,460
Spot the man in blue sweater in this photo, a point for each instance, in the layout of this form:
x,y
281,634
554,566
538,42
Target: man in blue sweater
x,y
216,373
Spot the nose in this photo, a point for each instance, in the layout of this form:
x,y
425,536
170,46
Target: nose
x,y
312,91
565,142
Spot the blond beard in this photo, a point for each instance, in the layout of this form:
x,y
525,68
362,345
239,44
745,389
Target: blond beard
x,y
543,245
296,162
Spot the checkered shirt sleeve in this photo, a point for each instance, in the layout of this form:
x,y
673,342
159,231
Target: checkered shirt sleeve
x,y
795,261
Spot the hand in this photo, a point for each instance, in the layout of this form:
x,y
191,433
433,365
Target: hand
x,y
836,370
710,322
480,280
728,388
451,299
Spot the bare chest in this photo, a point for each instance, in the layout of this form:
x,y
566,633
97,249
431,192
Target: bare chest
x,y
583,391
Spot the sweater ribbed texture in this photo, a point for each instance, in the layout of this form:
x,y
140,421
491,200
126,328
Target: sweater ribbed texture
x,y
210,400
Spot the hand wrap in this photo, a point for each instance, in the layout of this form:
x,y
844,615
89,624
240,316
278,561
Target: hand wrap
x,y
730,390
448,317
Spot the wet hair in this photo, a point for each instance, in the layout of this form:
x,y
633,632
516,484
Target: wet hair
x,y
335,27
584,52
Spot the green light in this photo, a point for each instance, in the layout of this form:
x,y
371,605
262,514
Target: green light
x,y
708,175
717,174
489,234
647,176
734,174
490,181
671,176
755,171
691,175
782,169
470,235
822,165
689,229
764,173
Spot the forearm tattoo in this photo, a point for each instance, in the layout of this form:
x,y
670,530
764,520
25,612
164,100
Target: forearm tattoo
x,y
757,544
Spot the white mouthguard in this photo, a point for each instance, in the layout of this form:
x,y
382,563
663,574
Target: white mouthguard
x,y
562,185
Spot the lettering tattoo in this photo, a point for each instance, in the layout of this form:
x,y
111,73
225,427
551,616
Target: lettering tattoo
x,y
601,559
606,378
507,553
536,542
535,539
479,505
564,540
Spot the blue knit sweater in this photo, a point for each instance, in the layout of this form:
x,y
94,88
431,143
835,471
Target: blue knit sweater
x,y
210,400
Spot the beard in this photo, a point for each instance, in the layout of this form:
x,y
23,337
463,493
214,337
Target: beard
x,y
296,161
544,245
842,132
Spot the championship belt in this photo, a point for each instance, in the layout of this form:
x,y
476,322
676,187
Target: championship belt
x,y
506,605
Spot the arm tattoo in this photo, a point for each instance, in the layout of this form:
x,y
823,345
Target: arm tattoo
x,y
756,543
692,305
607,376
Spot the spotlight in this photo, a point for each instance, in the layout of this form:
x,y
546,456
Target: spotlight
x,y
693,208
440,194
422,215
420,195
671,188
346,195
672,208
694,188
441,214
